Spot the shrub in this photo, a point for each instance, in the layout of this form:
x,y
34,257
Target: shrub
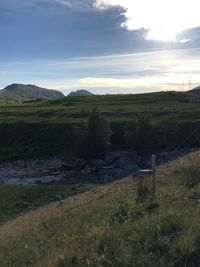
x,y
121,213
138,133
167,132
96,137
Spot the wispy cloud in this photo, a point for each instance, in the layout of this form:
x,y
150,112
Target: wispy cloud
x,y
152,71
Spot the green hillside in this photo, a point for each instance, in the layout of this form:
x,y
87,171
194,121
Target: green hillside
x,y
118,108
112,227
195,91
47,128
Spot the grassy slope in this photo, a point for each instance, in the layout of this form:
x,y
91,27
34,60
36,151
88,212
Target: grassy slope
x,y
15,199
93,229
39,129
118,108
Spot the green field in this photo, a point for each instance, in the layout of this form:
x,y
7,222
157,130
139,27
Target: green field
x,y
111,227
16,199
46,128
118,108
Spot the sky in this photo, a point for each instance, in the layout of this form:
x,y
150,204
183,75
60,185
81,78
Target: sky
x,y
105,46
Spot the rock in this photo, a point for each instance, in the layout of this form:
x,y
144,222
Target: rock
x,y
108,175
126,164
112,157
89,169
97,163
116,165
163,154
75,177
72,165
148,163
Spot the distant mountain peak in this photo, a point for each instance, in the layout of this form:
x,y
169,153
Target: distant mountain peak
x,y
27,92
14,86
81,92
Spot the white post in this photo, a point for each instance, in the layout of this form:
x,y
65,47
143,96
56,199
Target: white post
x,y
154,174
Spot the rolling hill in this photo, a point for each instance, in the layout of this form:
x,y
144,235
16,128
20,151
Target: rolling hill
x,y
46,128
195,91
21,92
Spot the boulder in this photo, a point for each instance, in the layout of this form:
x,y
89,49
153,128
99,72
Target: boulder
x,y
112,156
126,164
108,175
97,163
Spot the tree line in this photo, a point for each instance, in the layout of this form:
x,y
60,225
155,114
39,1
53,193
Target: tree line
x,y
139,134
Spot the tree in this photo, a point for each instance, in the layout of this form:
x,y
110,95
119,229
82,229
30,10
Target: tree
x,y
138,133
97,135
168,132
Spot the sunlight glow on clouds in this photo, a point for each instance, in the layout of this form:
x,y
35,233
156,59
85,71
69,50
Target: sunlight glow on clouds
x,y
108,46
164,19
130,73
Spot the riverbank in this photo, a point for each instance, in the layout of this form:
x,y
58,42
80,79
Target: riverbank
x,y
115,165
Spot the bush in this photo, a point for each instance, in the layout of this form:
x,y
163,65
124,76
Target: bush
x,y
121,213
138,133
96,136
167,132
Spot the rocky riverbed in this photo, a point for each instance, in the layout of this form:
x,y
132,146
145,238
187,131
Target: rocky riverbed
x,y
115,165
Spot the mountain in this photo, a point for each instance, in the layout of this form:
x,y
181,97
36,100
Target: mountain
x,y
80,93
21,92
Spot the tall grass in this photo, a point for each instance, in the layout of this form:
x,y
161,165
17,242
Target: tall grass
x,y
109,227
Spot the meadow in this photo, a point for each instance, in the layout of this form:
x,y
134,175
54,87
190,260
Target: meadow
x,y
111,226
17,199
118,108
48,128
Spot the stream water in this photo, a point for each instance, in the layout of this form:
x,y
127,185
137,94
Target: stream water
x,y
30,180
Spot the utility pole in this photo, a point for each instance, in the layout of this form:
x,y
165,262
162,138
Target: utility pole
x,y
189,83
183,86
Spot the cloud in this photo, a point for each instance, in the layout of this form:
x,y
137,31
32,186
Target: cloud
x,y
69,44
164,19
69,28
72,4
63,28
190,36
131,73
